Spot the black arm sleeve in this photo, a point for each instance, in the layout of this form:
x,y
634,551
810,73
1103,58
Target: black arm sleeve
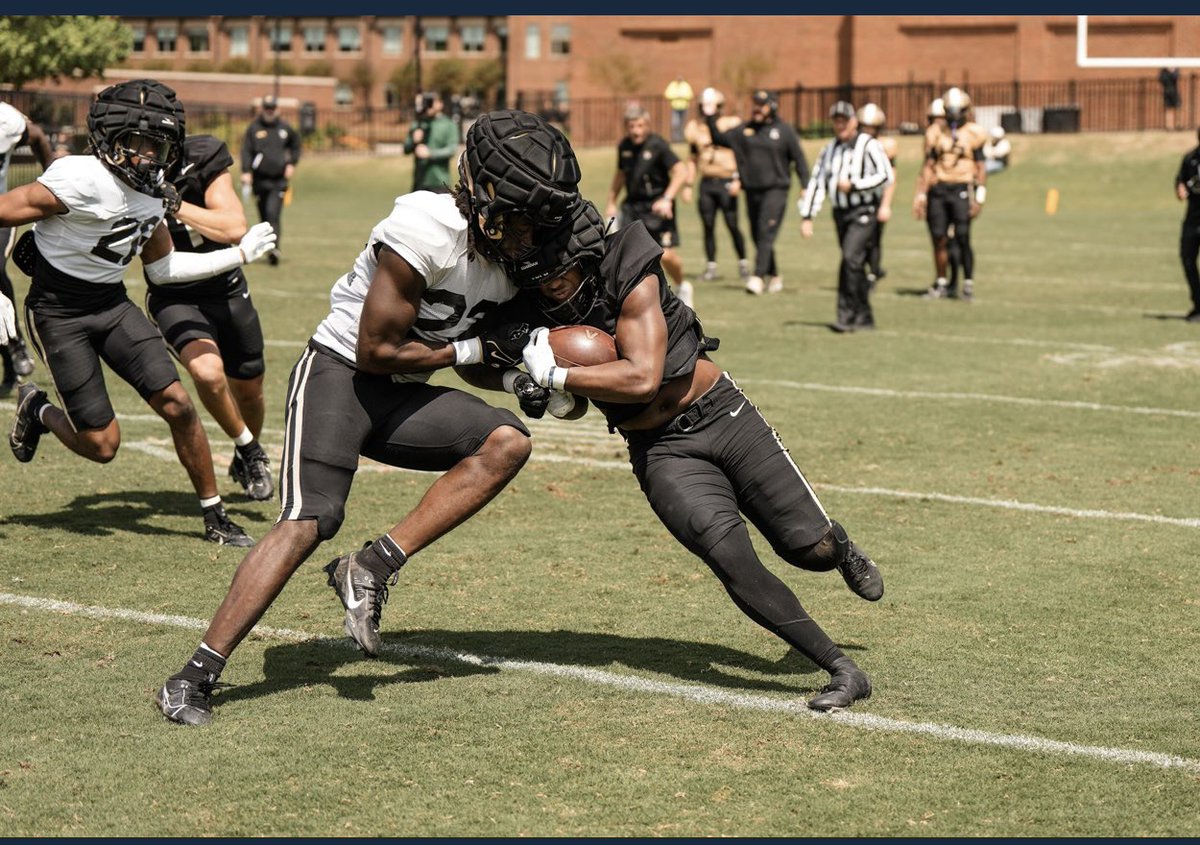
x,y
294,144
798,159
719,138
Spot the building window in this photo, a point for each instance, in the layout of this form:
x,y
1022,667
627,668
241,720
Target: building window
x,y
197,40
437,38
314,39
393,40
281,37
349,39
560,40
343,94
139,38
472,38
533,41
165,36
239,41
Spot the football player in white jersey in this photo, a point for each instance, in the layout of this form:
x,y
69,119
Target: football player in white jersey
x,y
432,270
15,129
92,215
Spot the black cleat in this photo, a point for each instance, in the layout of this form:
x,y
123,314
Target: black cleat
x,y
847,685
27,429
253,473
186,702
273,258
220,529
861,574
363,594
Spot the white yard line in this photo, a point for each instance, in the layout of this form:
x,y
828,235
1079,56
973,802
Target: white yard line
x,y
690,692
951,396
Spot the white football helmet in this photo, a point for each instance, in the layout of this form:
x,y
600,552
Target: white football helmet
x,y
937,108
871,115
957,102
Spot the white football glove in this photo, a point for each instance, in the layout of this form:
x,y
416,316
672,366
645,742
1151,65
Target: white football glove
x,y
8,320
257,242
539,361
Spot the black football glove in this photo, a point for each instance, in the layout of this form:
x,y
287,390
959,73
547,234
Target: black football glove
x,y
170,197
531,396
502,346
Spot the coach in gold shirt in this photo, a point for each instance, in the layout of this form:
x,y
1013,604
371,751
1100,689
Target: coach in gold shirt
x,y
950,189
719,183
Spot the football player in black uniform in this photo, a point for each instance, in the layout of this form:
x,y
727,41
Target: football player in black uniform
x,y
411,304
701,451
212,324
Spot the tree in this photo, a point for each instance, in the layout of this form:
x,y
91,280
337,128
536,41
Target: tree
x,y
404,82
746,73
362,80
53,46
448,77
487,76
618,72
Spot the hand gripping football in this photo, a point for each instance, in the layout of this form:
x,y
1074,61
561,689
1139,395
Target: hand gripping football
x,y
582,346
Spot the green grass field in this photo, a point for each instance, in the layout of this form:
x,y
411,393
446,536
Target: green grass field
x,y
1019,467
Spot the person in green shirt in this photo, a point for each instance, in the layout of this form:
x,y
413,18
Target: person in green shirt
x,y
432,140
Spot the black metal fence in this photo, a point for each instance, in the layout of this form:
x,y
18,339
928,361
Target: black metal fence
x,y
1105,105
1094,105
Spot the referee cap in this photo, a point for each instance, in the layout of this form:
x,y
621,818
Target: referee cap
x,y
842,109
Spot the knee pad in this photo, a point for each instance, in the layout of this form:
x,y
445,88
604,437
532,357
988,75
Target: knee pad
x,y
823,555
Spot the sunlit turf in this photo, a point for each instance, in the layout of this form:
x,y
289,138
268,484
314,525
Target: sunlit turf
x,y
1004,462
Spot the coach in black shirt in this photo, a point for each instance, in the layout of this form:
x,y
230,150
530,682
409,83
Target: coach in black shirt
x,y
766,149
270,151
1187,187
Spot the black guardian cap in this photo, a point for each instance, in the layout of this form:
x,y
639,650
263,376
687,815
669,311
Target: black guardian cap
x,y
139,119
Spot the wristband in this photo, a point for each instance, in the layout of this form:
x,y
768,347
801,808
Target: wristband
x,y
509,378
469,351
980,194
558,378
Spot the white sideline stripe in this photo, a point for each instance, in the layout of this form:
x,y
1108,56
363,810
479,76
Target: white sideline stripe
x,y
690,692
154,449
1012,504
975,397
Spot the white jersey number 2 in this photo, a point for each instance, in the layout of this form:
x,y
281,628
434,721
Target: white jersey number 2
x,y
125,240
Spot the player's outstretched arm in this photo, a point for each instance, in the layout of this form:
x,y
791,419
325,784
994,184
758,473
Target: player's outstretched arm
x,y
28,204
165,266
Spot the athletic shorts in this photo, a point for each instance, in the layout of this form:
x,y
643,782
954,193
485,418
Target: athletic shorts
x,y
335,414
664,232
719,458
949,203
231,323
73,347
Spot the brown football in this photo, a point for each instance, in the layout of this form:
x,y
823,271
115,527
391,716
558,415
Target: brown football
x,y
582,346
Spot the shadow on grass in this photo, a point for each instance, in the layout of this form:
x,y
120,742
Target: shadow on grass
x,y
106,514
1159,315
430,656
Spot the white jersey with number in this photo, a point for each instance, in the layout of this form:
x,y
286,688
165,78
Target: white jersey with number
x,y
12,130
107,222
427,231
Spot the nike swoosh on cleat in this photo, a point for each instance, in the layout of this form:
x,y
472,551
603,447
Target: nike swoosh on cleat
x,y
738,411
351,604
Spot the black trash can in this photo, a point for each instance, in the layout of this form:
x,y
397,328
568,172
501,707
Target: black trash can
x,y
308,119
1060,119
1010,122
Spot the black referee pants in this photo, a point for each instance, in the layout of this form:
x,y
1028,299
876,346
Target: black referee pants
x,y
1189,250
857,229
765,207
268,195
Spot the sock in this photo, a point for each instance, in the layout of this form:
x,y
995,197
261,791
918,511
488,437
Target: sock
x,y
45,406
249,450
209,504
384,557
205,666
941,282
245,438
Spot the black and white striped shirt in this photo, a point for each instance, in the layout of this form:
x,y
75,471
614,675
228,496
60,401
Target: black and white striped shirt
x,y
862,162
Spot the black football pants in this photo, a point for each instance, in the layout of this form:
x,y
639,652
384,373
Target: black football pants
x,y
1189,250
857,230
714,196
766,209
268,195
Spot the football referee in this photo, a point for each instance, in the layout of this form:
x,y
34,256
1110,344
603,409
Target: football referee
x,y
853,172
